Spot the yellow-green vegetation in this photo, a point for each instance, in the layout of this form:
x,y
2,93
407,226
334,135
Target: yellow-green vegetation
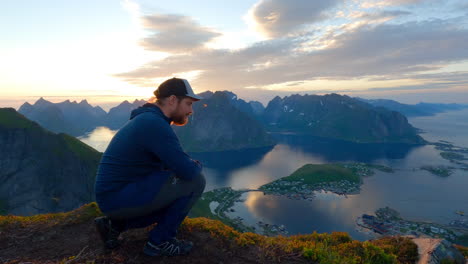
x,y
9,118
79,215
318,173
337,247
463,250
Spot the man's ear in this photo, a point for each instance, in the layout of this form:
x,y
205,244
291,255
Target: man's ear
x,y
172,99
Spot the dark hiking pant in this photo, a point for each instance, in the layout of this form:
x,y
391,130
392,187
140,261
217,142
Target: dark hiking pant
x,y
168,207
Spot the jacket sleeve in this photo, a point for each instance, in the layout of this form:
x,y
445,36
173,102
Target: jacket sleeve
x,y
161,140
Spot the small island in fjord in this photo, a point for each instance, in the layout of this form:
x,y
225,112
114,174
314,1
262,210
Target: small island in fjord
x,y
340,178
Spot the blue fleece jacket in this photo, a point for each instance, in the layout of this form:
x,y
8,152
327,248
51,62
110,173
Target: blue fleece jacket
x,y
145,145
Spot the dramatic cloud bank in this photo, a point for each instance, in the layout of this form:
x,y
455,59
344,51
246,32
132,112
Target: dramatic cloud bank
x,y
277,18
175,33
312,41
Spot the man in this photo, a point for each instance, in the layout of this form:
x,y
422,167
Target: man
x,y
145,177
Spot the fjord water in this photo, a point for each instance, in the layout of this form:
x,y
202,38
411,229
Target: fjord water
x,y
416,194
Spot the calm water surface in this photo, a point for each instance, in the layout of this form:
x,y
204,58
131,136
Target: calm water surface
x,y
416,194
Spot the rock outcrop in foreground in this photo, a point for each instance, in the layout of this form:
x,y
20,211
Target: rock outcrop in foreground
x,y
71,238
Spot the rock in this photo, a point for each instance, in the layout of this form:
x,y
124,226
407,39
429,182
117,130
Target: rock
x,y
433,251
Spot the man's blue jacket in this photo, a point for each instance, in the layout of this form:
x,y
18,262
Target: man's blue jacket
x,y
145,145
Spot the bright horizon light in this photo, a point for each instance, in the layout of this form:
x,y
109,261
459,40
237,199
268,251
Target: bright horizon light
x,y
109,51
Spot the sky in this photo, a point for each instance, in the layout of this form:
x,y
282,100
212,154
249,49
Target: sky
x,y
107,51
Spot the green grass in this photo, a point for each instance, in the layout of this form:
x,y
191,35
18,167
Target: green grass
x,y
319,173
334,248
79,215
82,150
9,118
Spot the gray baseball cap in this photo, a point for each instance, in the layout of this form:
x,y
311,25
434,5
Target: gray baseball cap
x,y
175,86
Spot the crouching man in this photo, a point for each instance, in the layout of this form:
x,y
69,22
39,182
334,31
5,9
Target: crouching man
x,y
145,177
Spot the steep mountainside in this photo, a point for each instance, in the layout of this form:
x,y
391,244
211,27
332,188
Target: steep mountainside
x,y
41,171
67,117
120,114
253,109
338,116
218,125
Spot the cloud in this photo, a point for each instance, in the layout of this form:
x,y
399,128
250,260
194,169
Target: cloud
x,y
384,3
384,50
276,18
175,33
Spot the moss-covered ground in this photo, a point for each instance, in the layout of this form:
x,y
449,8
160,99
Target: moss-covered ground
x,y
71,238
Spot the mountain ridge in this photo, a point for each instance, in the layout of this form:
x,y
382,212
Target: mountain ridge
x,y
340,117
42,171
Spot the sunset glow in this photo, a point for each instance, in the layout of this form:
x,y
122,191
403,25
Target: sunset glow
x,y
255,48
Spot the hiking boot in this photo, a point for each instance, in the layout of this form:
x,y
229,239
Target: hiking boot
x,y
171,247
109,234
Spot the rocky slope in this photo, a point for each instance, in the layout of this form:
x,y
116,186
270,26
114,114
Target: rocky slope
x,y
340,117
218,125
41,171
71,238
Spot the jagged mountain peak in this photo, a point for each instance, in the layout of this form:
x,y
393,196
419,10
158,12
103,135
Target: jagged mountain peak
x,y
42,102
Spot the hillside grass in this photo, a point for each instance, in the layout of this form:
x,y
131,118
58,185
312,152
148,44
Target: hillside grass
x,y
9,118
82,150
319,173
334,248
80,215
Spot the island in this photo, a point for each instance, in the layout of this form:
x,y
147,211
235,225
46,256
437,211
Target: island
x,y
340,178
442,171
452,153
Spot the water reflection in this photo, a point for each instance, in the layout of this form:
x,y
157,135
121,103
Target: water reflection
x,y
444,126
416,194
338,150
219,166
99,138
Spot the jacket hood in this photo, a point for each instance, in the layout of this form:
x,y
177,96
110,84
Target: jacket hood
x,y
149,108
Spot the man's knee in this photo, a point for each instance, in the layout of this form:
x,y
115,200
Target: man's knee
x,y
199,183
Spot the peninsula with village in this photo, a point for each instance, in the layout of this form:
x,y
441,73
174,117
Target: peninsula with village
x,y
339,178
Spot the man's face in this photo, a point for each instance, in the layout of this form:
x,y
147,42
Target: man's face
x,y
182,111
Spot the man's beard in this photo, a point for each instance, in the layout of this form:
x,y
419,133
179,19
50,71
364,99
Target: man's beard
x,y
179,119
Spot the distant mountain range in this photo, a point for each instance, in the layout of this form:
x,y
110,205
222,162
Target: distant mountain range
x,y
420,109
77,118
340,117
41,171
222,117
331,116
69,117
